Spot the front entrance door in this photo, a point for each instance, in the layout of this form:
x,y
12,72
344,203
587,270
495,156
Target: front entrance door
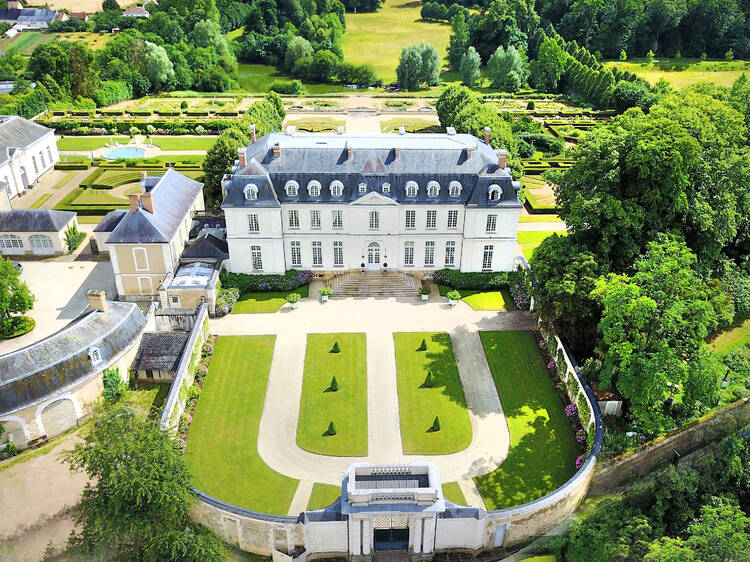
x,y
373,256
391,539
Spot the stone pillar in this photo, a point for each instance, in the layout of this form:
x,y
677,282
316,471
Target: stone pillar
x,y
367,536
428,540
354,536
415,533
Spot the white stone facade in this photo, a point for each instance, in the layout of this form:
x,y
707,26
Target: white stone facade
x,y
27,151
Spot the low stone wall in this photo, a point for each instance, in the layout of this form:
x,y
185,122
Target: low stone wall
x,y
684,440
185,374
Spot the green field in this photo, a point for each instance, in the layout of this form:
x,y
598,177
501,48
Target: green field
x,y
258,303
256,78
684,72
88,143
482,300
184,143
323,495
377,38
734,339
98,197
26,42
418,405
543,448
222,448
453,492
347,407
530,239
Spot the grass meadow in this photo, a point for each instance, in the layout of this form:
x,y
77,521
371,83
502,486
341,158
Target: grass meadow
x,y
259,303
684,72
346,407
543,448
418,405
323,495
222,445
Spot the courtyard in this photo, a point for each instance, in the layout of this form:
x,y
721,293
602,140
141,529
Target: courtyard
x,y
268,401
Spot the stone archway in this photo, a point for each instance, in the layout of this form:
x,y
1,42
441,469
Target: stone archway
x,y
59,416
13,432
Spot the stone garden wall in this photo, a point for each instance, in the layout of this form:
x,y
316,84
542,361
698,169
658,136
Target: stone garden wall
x,y
686,439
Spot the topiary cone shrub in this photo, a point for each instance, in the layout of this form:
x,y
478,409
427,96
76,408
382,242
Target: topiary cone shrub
x,y
331,429
429,380
422,346
334,385
435,424
335,348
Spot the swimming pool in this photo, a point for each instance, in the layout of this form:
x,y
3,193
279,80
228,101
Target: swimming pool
x,y
124,152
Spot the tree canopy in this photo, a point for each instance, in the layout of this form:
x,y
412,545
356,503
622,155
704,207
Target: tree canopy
x,y
15,297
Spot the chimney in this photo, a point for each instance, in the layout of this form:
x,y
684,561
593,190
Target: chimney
x,y
402,130
396,153
340,130
242,156
502,158
468,153
252,133
450,131
276,150
147,201
290,130
348,150
97,300
135,202
487,131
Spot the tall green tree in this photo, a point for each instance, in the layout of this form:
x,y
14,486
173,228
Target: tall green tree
x,y
136,503
504,61
458,42
549,66
409,69
470,67
15,297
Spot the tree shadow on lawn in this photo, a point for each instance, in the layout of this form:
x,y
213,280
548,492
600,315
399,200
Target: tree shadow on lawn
x,y
441,361
535,466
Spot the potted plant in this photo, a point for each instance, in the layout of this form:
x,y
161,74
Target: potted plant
x,y
362,268
425,292
453,297
293,300
325,292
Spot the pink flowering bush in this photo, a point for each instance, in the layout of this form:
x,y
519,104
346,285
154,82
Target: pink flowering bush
x,y
580,461
580,436
571,410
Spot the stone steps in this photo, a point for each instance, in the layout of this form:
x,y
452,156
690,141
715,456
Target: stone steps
x,y
375,284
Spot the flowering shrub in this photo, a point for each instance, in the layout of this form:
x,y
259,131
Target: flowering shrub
x,y
551,364
201,371
249,283
571,410
207,350
579,461
225,299
185,421
180,444
541,344
580,436
520,293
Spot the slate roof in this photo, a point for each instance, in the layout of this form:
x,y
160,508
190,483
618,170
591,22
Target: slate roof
x,y
17,132
136,12
207,246
375,159
34,220
160,350
111,220
173,196
54,363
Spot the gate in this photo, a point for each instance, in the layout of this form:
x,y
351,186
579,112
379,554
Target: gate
x,y
391,533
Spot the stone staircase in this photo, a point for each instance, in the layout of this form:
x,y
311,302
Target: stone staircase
x,y
375,284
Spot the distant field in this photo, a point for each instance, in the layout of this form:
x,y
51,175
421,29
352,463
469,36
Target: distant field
x,y
26,41
257,78
684,72
378,37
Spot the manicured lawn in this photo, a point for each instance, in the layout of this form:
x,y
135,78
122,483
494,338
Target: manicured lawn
x,y
543,448
41,201
734,339
684,72
540,218
64,180
184,143
346,408
92,219
317,125
482,300
453,492
88,143
191,158
418,405
413,125
529,240
222,450
257,78
377,38
256,303
323,495
541,201
98,197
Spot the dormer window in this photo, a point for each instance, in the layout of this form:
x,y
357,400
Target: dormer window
x,y
495,192
313,188
251,192
454,189
292,188
433,189
362,187
95,355
386,187
337,188
411,188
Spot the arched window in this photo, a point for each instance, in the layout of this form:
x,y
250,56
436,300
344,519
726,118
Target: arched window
x,y
313,188
362,187
251,192
337,188
495,192
454,189
386,187
292,188
9,241
411,188
433,189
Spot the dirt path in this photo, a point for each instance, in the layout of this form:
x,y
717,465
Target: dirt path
x,y
38,496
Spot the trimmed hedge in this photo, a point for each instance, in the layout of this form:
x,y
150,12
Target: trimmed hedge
x,y
478,281
261,283
141,112
169,112
73,165
122,126
89,180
